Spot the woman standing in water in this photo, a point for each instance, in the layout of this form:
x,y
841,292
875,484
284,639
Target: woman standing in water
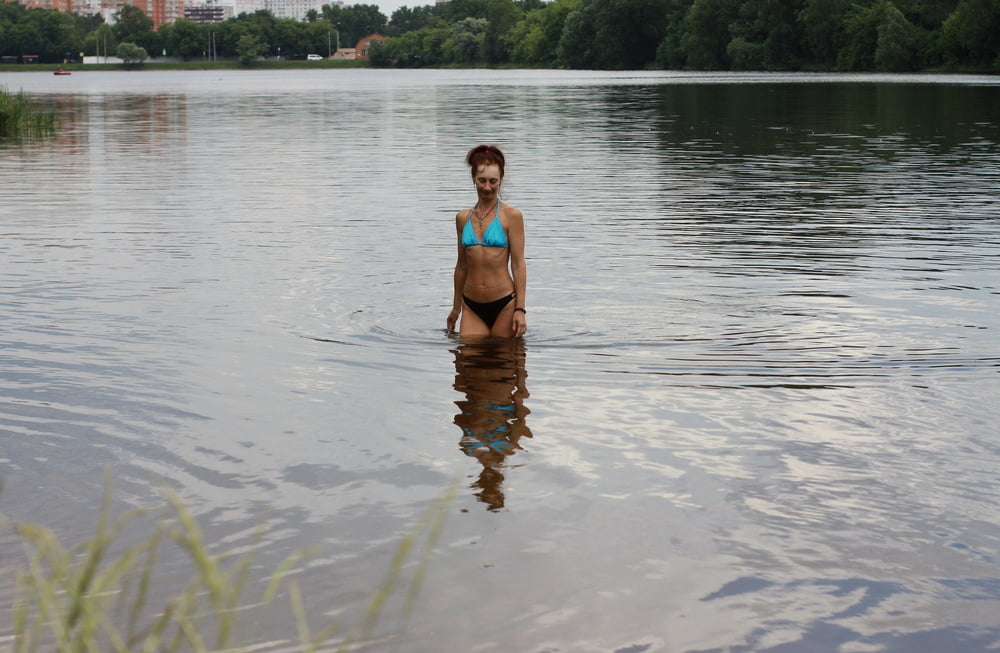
x,y
490,275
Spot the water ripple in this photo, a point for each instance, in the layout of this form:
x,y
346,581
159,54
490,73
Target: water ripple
x,y
755,409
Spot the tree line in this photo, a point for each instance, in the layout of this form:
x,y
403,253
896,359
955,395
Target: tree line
x,y
828,35
822,35
55,36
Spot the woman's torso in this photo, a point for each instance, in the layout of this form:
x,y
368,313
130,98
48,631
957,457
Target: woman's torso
x,y
487,260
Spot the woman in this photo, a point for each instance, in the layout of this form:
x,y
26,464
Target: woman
x,y
490,275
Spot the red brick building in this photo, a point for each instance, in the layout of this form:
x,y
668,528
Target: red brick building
x,y
364,46
82,7
161,11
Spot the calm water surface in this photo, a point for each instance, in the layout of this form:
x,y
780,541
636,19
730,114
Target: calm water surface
x,y
757,408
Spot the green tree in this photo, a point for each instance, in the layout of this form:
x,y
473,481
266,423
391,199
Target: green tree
x,y
261,24
424,47
184,38
455,10
131,23
320,37
358,21
578,45
231,31
522,39
878,37
10,13
249,48
502,16
706,33
766,35
131,53
970,34
49,34
629,31
617,34
100,42
928,14
535,39
331,14
744,55
405,20
90,22
466,42
822,23
861,37
23,38
670,53
896,48
288,37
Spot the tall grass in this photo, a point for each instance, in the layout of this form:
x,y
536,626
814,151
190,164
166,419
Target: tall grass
x,y
89,600
19,117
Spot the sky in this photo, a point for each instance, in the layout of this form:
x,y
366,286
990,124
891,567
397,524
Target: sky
x,y
389,6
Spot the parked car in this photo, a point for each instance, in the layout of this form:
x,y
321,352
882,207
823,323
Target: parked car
x,y
314,57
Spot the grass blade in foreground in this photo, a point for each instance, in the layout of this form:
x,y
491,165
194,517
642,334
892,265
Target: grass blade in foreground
x,y
89,600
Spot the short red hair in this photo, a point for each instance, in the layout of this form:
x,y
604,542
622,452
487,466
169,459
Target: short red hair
x,y
484,155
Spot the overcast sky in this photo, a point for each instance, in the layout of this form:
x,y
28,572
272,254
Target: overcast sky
x,y
389,6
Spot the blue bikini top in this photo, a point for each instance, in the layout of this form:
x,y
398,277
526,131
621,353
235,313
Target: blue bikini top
x,y
494,236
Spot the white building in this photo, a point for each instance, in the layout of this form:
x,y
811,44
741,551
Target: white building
x,y
296,9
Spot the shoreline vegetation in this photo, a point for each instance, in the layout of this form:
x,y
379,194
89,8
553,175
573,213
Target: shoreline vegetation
x,y
345,65
20,117
891,36
107,596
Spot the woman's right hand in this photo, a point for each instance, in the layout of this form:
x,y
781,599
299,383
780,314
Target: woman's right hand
x,y
453,318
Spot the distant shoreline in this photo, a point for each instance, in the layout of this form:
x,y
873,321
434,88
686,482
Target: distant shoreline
x,y
184,65
301,64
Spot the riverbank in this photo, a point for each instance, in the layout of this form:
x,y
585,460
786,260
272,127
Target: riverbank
x,y
360,63
185,65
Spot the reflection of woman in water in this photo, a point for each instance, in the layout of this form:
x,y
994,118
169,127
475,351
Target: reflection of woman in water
x,y
491,375
489,297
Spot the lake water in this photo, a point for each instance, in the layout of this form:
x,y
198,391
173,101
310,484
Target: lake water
x,y
757,408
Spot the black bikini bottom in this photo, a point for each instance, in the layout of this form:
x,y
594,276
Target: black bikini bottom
x,y
488,311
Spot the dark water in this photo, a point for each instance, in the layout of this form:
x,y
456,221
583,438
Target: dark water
x,y
756,410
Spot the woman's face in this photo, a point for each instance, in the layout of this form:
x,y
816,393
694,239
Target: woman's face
x,y
487,180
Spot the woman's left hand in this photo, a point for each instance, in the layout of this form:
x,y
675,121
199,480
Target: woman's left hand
x,y
520,324
453,318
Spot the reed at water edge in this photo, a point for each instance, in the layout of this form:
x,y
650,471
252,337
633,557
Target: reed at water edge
x,y
87,599
20,117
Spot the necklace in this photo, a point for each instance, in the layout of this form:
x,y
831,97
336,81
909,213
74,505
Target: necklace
x,y
480,218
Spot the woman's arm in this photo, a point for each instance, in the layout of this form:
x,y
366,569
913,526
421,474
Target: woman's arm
x,y
461,271
518,268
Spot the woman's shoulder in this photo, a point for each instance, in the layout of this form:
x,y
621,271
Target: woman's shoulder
x,y
508,213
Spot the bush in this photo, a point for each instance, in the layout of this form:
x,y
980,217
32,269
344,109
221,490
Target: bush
x,y
131,53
